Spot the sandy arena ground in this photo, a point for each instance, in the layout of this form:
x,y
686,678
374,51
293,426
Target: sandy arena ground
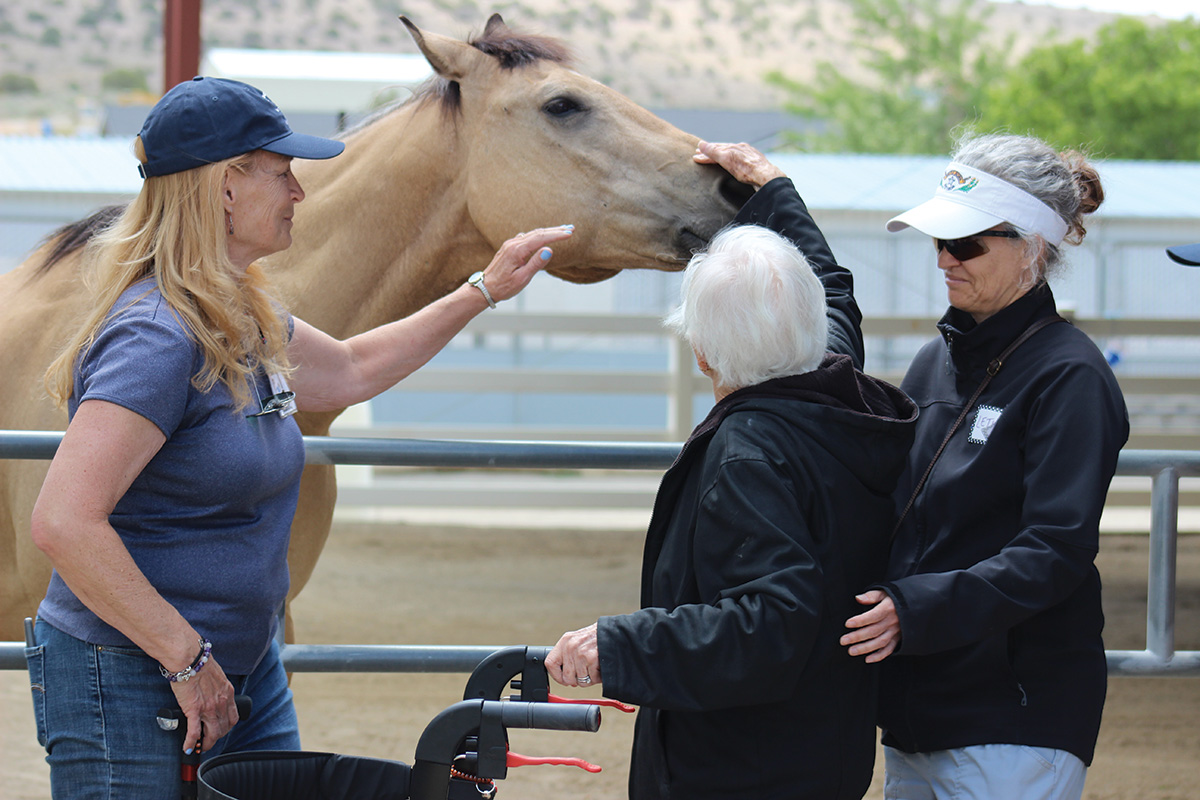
x,y
417,583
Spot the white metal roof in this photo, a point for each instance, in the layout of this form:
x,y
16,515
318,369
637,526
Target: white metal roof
x,y
889,184
57,164
305,80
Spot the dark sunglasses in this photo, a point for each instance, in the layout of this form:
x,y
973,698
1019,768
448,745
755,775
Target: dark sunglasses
x,y
969,247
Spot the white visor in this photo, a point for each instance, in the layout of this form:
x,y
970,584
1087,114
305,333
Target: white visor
x,y
969,200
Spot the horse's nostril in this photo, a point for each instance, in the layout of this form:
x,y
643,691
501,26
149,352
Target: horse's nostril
x,y
690,241
734,191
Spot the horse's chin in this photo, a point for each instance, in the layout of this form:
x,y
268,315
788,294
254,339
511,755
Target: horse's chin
x,y
582,274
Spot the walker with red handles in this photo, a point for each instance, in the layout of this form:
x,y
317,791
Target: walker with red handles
x,y
461,754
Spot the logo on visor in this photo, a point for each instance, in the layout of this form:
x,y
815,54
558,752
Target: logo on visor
x,y
954,181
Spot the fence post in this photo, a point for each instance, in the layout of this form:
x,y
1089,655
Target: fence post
x,y
1164,545
679,408
356,417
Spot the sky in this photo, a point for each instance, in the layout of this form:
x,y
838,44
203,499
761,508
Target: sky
x,y
1171,9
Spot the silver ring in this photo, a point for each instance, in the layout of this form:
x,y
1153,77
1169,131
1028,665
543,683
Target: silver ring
x,y
585,680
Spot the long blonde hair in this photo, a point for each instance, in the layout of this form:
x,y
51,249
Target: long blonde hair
x,y
174,231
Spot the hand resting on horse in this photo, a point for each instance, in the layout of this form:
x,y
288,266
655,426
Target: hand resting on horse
x,y
743,162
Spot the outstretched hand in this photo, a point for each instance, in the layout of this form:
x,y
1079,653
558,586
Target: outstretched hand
x,y
743,162
575,660
875,633
519,259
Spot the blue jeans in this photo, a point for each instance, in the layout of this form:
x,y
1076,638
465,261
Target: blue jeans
x,y
983,772
96,711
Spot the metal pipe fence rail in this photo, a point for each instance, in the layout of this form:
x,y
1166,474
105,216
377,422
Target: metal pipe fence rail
x,y
1164,467
1163,405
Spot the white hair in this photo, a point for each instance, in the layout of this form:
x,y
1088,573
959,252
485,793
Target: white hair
x,y
751,305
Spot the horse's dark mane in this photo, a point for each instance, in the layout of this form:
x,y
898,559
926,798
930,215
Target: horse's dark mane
x,y
520,49
74,235
511,49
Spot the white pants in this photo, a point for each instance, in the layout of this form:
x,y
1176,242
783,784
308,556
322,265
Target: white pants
x,y
983,772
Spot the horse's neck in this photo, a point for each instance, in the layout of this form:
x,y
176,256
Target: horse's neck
x,y
384,229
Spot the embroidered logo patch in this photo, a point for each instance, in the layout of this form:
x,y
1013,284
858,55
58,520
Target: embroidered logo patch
x,y
985,420
955,181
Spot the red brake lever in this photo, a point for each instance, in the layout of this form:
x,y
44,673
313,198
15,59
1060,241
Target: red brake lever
x,y
518,760
602,701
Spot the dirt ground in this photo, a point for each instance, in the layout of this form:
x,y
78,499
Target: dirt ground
x,y
405,583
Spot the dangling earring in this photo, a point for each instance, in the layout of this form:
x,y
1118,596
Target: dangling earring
x,y
229,218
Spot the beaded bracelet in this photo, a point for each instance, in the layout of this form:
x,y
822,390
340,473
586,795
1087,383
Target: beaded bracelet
x,y
187,673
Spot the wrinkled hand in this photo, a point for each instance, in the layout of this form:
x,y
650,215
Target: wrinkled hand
x,y
206,699
519,259
575,660
874,633
743,162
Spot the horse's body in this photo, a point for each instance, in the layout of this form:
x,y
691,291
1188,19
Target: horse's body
x,y
505,140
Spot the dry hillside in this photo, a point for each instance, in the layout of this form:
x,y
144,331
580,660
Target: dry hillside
x,y
669,53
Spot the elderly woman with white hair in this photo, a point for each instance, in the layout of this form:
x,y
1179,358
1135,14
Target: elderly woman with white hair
x,y
775,514
989,625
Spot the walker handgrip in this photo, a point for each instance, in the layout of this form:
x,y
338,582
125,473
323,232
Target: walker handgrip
x,y
489,719
601,701
549,716
493,674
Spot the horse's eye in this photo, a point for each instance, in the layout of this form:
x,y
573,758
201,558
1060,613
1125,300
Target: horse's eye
x,y
562,107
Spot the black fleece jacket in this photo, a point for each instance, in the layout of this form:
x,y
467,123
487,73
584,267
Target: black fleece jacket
x,y
992,570
774,516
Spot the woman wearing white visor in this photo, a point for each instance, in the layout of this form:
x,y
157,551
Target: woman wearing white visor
x,y
989,626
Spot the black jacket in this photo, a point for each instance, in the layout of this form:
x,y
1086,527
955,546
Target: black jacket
x,y
992,571
774,515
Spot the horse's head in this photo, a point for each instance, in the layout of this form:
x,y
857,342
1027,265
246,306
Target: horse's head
x,y
542,145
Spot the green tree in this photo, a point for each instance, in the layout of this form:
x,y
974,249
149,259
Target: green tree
x,y
1133,93
928,72
14,83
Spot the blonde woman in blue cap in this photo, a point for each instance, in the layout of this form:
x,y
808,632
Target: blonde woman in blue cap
x,y
989,624
166,509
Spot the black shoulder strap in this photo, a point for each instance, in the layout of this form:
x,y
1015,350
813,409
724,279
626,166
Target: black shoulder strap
x,y
992,369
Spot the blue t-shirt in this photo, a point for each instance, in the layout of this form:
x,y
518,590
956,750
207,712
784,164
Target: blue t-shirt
x,y
207,521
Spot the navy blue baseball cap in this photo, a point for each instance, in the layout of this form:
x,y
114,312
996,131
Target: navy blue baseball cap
x,y
1188,254
205,120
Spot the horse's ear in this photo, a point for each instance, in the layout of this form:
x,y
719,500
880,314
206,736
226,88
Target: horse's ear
x,y
495,24
449,58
